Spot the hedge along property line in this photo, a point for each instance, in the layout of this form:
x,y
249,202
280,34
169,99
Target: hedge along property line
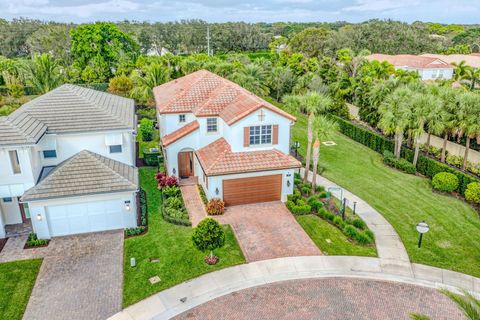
x,y
425,165
166,217
142,216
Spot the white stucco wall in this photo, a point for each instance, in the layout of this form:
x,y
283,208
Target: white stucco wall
x,y
2,225
169,122
14,185
215,182
431,73
11,211
42,228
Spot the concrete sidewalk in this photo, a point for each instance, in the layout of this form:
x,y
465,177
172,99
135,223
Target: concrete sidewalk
x,y
390,247
168,303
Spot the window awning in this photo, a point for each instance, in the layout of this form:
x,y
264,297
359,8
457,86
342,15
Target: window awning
x,y
114,139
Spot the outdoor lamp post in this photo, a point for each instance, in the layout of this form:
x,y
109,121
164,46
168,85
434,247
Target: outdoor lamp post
x,y
354,206
296,145
422,228
344,207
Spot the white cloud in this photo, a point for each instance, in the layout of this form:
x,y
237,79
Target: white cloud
x,y
379,5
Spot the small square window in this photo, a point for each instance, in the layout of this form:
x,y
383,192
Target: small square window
x,y
116,148
181,118
5,200
49,154
211,124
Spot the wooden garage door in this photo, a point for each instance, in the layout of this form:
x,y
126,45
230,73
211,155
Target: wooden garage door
x,y
251,190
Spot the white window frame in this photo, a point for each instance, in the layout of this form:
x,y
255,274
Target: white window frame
x,y
115,145
212,127
260,133
12,165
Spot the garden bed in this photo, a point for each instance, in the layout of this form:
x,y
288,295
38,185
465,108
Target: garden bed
x,y
142,216
320,203
34,242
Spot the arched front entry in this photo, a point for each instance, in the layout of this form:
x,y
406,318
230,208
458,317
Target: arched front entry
x,y
185,164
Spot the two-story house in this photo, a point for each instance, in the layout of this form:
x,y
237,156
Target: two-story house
x,y
234,142
67,163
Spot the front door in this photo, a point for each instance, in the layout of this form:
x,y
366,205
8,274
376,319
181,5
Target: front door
x,y
185,164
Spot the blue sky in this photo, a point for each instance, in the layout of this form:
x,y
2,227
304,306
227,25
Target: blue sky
x,y
445,11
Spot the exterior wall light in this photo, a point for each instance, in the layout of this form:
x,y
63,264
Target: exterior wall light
x,y
288,183
174,171
127,205
217,191
39,217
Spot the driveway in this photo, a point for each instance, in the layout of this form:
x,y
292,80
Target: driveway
x,y
268,230
81,278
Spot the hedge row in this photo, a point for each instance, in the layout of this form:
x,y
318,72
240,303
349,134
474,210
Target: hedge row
x,y
425,165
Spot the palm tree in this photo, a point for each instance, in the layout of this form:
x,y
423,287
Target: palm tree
x,y
313,104
395,114
435,118
153,76
468,117
472,75
253,78
449,100
323,128
466,302
460,70
43,73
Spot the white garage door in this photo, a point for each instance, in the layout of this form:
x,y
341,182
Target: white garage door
x,y
85,217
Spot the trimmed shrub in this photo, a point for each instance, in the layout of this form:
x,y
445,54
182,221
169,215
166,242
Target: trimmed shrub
x,y
165,181
173,202
208,235
120,85
370,234
297,181
472,194
130,232
203,196
151,158
329,216
445,182
172,191
300,208
295,196
359,223
33,241
319,189
324,195
350,231
306,190
400,164
215,207
338,221
146,129
315,204
297,175
362,238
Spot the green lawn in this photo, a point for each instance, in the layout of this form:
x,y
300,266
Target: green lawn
x,y
320,230
179,260
16,283
155,143
404,200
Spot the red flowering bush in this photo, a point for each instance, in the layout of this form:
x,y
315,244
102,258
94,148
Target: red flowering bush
x,y
165,181
215,207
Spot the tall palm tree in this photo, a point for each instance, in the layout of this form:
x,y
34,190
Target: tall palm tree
x,y
253,78
154,75
43,73
395,114
323,128
468,117
435,118
473,76
448,96
313,104
466,302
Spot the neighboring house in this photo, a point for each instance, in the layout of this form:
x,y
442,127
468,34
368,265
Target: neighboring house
x,y
428,68
236,143
67,163
471,60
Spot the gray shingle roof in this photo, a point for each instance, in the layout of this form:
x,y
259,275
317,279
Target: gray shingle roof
x,y
67,109
85,173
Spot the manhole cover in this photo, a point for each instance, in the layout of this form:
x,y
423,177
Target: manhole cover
x,y
154,280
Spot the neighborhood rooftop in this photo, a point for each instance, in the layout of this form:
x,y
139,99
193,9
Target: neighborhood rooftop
x,y
85,173
217,158
66,109
410,60
206,94
472,60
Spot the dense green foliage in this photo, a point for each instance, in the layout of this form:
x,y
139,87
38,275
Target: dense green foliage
x,y
208,235
146,129
17,279
445,182
472,193
178,259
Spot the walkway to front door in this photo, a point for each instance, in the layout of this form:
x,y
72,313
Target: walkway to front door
x,y
268,230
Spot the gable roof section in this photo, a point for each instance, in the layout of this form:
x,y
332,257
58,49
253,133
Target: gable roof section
x,y
67,109
470,59
217,158
180,133
85,173
204,93
412,61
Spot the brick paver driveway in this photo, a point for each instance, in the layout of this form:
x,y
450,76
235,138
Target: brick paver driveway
x,y
80,278
328,299
268,230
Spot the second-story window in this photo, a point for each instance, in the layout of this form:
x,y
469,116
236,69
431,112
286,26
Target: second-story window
x,y
116,148
49,154
181,118
15,163
260,135
212,125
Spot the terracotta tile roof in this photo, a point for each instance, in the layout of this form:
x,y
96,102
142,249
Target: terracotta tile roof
x,y
412,61
206,94
180,133
85,173
217,158
470,59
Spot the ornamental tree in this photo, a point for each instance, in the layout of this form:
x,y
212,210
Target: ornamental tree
x,y
208,235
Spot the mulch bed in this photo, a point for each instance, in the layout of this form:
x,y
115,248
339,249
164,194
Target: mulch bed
x,y
33,247
3,242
